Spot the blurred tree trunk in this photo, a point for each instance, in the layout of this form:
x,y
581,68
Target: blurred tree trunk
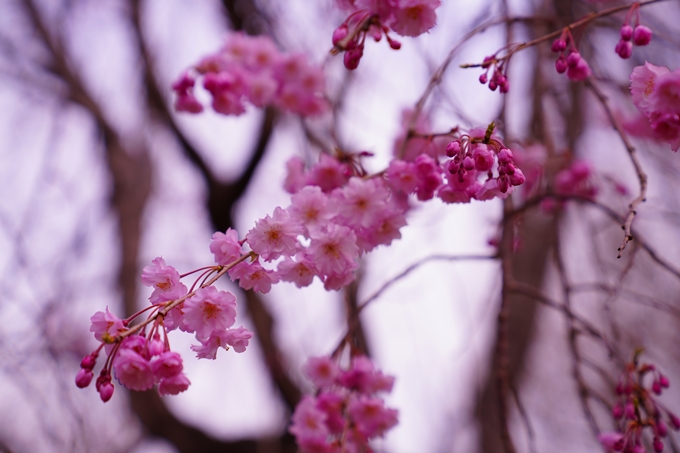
x,y
537,235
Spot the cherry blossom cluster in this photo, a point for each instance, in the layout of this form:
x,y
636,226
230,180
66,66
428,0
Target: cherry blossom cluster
x,y
638,411
346,412
639,35
656,94
333,218
577,180
570,60
481,168
139,356
373,18
251,68
498,78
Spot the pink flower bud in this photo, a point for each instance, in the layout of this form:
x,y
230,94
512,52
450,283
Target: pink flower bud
x,y
339,34
558,45
663,380
483,79
626,32
493,85
561,65
617,411
505,156
503,184
675,421
106,391
630,411
453,167
156,347
468,163
656,387
505,86
661,428
88,362
573,59
104,386
452,148
352,58
624,49
83,378
658,445
396,45
517,178
642,35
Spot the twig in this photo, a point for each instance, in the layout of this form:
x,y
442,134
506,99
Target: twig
x,y
416,265
642,176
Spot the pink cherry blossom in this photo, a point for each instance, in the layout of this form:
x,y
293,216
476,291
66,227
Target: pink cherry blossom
x,y
414,17
238,338
402,175
370,415
334,249
301,271
332,404
308,421
643,83
322,371
225,247
106,326
296,178
132,370
174,385
274,236
209,310
209,346
310,207
254,276
164,279
361,202
666,95
329,173
166,365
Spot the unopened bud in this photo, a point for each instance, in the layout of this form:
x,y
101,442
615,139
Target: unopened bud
x,y
626,32
558,45
642,35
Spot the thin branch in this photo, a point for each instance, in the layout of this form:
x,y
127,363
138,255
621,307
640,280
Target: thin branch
x,y
415,266
632,153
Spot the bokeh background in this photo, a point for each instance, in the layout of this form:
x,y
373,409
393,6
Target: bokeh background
x,y
99,176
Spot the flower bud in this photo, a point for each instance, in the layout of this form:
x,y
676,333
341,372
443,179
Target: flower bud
x,y
339,34
573,59
626,32
561,65
83,378
658,445
453,167
642,35
558,45
624,49
352,58
396,45
453,148
88,362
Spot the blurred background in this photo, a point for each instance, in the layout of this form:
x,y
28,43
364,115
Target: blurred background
x,y
99,176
